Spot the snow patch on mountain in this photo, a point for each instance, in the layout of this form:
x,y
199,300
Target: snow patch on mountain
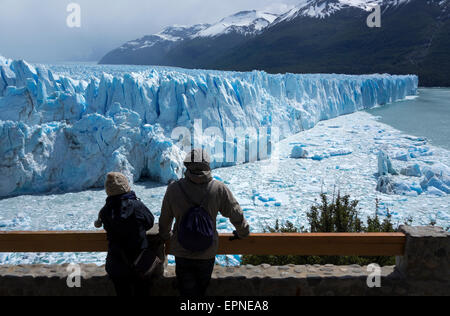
x,y
245,22
170,34
325,8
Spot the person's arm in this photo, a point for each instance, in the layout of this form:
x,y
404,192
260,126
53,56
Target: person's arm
x,y
166,218
231,209
99,222
145,217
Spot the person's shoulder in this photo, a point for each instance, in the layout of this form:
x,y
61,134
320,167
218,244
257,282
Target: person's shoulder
x,y
139,206
173,186
137,202
219,186
174,183
134,201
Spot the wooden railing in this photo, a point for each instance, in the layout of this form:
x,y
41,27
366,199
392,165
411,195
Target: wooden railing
x,y
345,244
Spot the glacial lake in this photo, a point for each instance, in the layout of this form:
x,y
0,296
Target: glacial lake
x,y
428,115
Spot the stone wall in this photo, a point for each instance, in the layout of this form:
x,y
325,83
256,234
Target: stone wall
x,y
424,270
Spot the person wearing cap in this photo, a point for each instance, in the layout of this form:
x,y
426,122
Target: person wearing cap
x,y
194,269
126,221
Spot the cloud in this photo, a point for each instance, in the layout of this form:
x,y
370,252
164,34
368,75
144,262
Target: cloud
x,y
37,30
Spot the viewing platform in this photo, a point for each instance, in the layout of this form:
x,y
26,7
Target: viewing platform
x,y
423,265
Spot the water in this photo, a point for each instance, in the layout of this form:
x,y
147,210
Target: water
x,y
428,116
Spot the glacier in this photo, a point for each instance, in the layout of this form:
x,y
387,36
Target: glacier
x,y
63,133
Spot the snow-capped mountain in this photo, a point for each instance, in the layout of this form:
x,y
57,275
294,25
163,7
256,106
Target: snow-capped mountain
x,y
245,22
330,35
152,49
314,36
170,34
324,8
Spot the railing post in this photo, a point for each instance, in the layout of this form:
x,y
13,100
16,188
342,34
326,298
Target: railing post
x,y
426,254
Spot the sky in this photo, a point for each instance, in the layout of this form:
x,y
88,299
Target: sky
x,y
36,30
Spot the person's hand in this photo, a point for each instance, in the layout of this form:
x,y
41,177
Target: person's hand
x,y
98,223
235,236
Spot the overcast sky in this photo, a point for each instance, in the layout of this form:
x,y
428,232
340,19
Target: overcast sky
x,y
36,30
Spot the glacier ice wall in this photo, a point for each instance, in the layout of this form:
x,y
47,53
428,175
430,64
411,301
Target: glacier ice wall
x,y
60,133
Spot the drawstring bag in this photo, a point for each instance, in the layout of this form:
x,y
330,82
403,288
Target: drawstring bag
x,y
145,264
196,229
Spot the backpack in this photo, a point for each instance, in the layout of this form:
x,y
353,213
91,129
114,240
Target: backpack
x,y
196,230
145,264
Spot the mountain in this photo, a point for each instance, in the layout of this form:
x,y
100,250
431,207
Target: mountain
x,y
414,38
190,46
317,36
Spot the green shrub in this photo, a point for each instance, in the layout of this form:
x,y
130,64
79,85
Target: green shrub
x,y
340,215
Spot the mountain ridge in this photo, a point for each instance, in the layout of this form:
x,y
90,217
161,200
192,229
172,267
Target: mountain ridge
x,y
316,36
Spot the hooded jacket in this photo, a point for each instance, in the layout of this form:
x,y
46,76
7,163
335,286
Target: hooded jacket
x,y
219,200
126,221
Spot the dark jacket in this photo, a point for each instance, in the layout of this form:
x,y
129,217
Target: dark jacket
x,y
126,221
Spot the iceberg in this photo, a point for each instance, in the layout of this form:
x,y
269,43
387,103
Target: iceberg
x,y
299,152
386,185
385,165
437,177
62,133
341,152
434,176
412,171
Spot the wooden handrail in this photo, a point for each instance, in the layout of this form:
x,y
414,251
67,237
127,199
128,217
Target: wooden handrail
x,y
326,244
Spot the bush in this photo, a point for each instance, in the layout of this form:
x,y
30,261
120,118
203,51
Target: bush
x,y
339,216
